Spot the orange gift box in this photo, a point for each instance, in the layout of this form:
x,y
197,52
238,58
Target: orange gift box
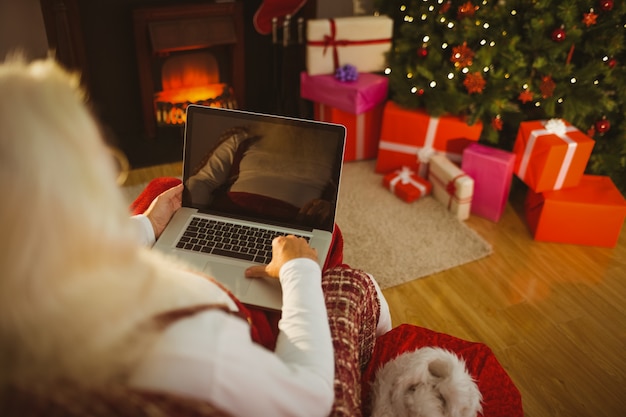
x,y
409,136
590,214
551,154
406,184
362,130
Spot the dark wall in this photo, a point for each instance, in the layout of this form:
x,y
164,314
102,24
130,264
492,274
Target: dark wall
x,y
108,39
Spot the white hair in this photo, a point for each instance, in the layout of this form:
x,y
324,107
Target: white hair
x,y
75,285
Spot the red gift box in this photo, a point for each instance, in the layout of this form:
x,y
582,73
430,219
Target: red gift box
x,y
362,130
356,97
406,184
492,171
551,154
590,214
409,136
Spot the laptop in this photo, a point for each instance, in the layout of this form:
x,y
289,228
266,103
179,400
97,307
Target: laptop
x,y
259,176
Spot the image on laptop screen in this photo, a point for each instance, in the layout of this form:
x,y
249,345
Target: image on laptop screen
x,y
269,168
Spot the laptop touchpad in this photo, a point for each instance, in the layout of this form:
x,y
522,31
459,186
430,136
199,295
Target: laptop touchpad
x,y
230,275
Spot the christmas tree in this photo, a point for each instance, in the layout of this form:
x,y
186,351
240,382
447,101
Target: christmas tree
x,y
502,62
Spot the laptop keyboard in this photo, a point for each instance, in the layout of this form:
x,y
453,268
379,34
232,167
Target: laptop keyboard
x,y
249,243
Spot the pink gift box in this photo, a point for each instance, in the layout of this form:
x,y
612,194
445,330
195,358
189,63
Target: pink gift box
x,y
406,184
492,171
354,97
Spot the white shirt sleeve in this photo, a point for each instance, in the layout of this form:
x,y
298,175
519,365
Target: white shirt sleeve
x,y
211,356
145,229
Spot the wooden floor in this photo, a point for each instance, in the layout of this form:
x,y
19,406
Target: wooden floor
x,y
554,314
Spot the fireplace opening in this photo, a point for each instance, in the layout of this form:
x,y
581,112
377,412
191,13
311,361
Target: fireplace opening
x,y
186,79
188,54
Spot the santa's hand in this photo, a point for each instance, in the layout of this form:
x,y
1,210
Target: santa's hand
x,y
284,249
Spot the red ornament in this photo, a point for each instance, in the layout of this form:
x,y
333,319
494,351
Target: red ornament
x,y
467,9
558,34
547,86
589,18
606,5
525,96
474,83
422,52
462,56
612,62
445,7
603,125
496,122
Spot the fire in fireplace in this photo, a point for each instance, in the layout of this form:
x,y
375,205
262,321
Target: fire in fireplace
x,y
188,54
186,79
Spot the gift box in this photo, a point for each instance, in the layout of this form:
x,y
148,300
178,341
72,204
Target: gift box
x,y
406,184
362,130
551,154
451,186
410,137
492,172
590,214
361,41
354,97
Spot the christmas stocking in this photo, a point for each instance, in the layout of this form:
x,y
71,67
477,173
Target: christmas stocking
x,y
274,8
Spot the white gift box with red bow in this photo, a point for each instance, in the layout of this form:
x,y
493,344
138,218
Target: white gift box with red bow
x,y
451,186
361,41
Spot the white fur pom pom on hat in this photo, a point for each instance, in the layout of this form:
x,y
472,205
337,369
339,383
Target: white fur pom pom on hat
x,y
428,382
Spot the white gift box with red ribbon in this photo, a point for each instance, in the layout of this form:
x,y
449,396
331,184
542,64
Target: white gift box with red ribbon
x,y
451,186
361,41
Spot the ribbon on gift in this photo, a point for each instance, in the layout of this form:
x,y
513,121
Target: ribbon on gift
x,y
404,177
359,152
415,150
427,151
332,41
552,127
451,189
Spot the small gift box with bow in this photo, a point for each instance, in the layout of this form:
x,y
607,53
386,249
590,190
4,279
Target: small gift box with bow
x,y
451,186
551,154
406,184
591,213
361,41
409,137
358,105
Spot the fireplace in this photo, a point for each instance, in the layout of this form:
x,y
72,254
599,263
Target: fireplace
x,y
188,54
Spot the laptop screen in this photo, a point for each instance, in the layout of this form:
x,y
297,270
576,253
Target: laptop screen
x,y
270,169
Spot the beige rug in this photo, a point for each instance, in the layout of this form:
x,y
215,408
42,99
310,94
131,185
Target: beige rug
x,y
395,241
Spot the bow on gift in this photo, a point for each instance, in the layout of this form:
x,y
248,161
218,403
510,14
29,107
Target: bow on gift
x,y
332,41
451,189
560,129
403,176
